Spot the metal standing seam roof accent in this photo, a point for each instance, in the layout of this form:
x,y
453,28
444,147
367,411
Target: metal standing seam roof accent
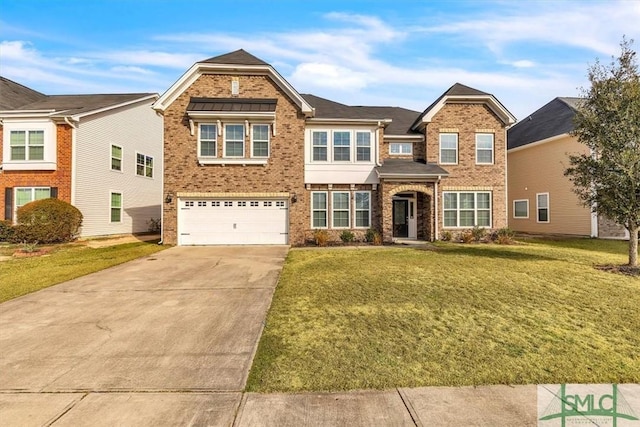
x,y
232,105
552,119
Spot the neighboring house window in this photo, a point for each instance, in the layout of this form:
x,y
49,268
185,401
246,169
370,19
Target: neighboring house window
x,y
363,146
319,210
144,165
341,146
234,140
401,148
27,144
521,208
340,209
116,158
363,209
319,146
449,148
542,205
207,140
484,148
116,207
467,209
260,142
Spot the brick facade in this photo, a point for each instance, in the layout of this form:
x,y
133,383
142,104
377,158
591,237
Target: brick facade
x,y
60,178
284,171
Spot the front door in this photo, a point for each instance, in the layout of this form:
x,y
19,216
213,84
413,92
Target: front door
x,y
400,218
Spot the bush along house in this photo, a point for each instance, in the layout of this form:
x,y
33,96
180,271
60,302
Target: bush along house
x,y
249,160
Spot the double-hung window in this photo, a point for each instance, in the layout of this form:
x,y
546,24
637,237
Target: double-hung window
x,y
449,148
319,146
260,141
144,165
340,209
207,140
484,148
341,146
26,195
363,146
362,209
521,208
542,206
319,209
234,140
116,207
26,144
116,158
401,148
467,209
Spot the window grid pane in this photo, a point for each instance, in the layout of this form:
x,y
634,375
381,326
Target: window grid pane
x,y
23,196
234,140
340,209
521,209
363,146
261,140
341,146
363,208
449,148
42,193
467,209
319,210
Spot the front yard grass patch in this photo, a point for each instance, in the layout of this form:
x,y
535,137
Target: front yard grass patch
x,y
21,276
478,314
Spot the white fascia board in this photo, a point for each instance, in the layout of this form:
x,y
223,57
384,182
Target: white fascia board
x,y
406,176
201,68
406,138
536,143
77,117
489,100
25,114
337,121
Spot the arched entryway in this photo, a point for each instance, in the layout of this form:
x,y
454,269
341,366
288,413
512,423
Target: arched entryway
x,y
408,211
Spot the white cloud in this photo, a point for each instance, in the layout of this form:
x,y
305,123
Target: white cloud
x,y
131,69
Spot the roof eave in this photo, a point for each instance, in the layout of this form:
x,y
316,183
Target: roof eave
x,y
335,120
410,176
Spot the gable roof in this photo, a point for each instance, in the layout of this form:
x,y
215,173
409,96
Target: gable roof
x,y
77,105
401,118
14,95
460,93
238,57
552,119
239,62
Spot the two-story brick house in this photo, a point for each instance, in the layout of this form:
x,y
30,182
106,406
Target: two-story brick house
x,y
102,153
249,160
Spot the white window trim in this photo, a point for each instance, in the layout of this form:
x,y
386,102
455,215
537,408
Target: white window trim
x,y
351,146
50,144
333,226
111,192
356,210
325,210
475,209
457,148
144,175
268,140
121,158
224,141
547,208
355,146
215,141
401,144
493,149
514,209
327,146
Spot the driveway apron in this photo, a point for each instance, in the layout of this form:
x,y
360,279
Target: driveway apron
x,y
187,319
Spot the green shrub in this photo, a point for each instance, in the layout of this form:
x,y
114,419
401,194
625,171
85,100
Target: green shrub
x,y
446,236
321,237
47,221
347,236
369,235
6,231
478,233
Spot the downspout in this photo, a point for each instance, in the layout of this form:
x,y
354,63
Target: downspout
x,y
378,142
435,236
162,203
74,155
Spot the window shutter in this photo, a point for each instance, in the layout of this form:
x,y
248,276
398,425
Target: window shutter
x,y
8,204
54,192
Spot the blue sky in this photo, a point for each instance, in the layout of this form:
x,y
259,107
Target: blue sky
x,y
399,53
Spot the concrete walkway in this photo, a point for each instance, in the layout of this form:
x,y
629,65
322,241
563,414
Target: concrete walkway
x,y
168,340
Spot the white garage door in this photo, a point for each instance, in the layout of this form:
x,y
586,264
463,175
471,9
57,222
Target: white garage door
x,y
232,222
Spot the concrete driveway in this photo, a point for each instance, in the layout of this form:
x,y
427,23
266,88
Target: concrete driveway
x,y
185,320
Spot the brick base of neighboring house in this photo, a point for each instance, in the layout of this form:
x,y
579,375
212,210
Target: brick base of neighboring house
x,y
608,229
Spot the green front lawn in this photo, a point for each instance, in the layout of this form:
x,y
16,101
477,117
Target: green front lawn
x,y
20,276
460,315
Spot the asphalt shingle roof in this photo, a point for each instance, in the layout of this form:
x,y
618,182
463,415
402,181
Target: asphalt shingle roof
x,y
14,95
232,104
553,119
401,117
238,57
77,104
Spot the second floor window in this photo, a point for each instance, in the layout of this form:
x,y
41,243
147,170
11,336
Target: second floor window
x,y
484,148
144,165
363,146
449,148
116,158
234,141
341,146
319,146
208,140
260,147
27,144
401,148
